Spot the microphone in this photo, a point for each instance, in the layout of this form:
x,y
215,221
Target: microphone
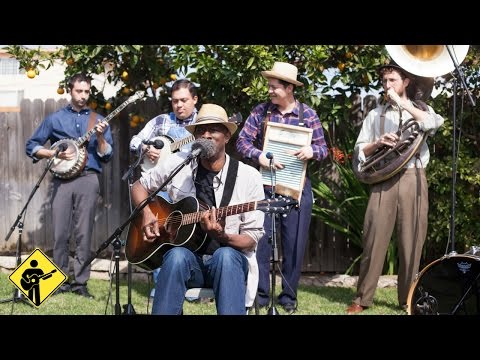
x,y
203,147
269,156
157,144
60,148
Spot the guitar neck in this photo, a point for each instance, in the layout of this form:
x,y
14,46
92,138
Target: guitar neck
x,y
222,212
178,144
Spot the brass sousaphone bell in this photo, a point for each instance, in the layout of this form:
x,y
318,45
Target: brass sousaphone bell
x,y
427,60
423,62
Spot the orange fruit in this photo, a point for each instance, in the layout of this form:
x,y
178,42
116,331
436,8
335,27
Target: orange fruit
x,y
124,76
93,105
125,91
31,73
341,66
349,55
133,124
70,61
136,119
365,79
108,106
173,77
60,91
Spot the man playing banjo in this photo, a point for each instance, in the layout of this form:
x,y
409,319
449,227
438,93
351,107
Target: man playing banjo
x,y
76,189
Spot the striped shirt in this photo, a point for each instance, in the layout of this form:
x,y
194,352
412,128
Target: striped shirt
x,y
251,137
164,124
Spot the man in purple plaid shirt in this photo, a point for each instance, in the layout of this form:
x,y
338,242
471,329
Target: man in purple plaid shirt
x,y
285,109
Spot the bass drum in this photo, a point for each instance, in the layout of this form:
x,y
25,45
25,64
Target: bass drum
x,y
447,286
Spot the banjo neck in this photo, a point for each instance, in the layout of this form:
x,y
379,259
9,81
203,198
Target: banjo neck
x,y
138,95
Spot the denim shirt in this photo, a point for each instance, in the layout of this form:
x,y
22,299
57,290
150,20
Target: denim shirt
x,y
67,123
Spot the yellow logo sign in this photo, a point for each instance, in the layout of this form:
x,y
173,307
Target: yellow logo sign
x,y
37,277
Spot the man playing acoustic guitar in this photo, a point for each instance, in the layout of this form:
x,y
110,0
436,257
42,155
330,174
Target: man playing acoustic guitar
x,y
167,128
226,259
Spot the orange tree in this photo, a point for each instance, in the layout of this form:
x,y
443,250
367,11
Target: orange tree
x,y
334,75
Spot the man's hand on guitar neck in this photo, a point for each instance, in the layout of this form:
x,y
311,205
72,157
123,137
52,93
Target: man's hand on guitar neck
x,y
212,227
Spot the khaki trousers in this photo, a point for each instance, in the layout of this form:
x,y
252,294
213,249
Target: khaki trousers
x,y
402,201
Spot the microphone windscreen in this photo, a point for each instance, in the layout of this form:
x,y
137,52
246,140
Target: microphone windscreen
x,y
207,148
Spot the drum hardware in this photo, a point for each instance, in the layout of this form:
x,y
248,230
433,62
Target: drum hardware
x,y
474,250
426,304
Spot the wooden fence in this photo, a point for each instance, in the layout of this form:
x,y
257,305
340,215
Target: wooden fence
x,y
326,251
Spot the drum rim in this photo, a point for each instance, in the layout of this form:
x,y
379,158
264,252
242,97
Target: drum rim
x,y
419,275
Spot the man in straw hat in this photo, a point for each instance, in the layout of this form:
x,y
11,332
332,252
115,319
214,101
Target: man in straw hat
x,y
404,196
226,260
283,108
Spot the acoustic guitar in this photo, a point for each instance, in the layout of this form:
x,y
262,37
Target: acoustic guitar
x,y
178,226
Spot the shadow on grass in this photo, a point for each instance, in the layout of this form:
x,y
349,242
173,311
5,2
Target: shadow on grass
x,y
385,299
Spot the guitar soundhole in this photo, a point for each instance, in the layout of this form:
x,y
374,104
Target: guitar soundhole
x,y
173,223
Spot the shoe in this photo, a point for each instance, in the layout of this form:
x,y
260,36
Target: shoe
x,y
82,291
355,309
289,307
263,306
62,289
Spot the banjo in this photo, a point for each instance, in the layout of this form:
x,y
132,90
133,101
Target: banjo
x,y
67,169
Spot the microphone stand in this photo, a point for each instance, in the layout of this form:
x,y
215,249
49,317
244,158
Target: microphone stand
x,y
454,153
128,308
114,239
17,295
273,238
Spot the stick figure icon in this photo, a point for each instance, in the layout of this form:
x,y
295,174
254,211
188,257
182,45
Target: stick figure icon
x,y
30,281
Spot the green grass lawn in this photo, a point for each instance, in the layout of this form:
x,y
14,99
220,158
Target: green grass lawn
x,y
312,301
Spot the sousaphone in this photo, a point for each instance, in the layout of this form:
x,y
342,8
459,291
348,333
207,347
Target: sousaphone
x,y
421,63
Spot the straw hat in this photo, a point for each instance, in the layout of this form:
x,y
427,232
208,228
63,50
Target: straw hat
x,y
212,114
283,71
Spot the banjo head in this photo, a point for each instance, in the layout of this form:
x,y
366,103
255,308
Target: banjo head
x,y
67,169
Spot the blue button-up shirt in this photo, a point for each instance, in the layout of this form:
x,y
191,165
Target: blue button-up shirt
x,y
67,123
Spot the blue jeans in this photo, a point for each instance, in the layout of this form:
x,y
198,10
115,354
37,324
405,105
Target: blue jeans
x,y
225,271
155,278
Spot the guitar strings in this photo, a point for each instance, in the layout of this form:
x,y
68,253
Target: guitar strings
x,y
195,216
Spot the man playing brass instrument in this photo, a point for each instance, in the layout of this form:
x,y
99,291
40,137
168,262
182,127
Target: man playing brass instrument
x,y
404,196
